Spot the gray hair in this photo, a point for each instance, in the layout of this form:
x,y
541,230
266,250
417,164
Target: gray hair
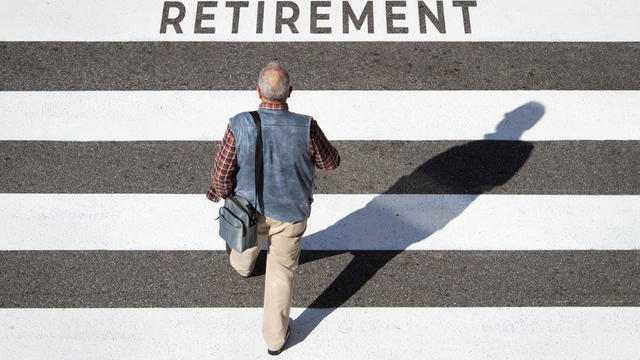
x,y
274,82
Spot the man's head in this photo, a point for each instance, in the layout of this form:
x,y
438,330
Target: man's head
x,y
273,83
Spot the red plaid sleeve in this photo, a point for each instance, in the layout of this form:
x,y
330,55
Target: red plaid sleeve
x,y
225,166
324,155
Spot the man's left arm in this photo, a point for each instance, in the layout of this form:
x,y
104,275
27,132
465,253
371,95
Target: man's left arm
x,y
325,156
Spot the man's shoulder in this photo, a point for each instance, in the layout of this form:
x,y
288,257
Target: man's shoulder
x,y
286,114
241,118
298,118
241,115
299,115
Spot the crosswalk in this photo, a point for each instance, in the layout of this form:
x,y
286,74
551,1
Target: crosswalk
x,y
486,205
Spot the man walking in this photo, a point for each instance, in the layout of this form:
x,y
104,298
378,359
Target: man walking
x,y
293,146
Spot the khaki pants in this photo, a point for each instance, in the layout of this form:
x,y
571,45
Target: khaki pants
x,y
282,265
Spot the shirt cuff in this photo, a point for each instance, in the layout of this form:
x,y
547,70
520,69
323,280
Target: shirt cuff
x,y
211,195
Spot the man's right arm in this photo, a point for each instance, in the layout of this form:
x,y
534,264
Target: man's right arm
x,y
224,168
325,156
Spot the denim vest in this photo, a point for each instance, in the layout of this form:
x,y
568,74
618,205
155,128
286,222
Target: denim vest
x,y
288,169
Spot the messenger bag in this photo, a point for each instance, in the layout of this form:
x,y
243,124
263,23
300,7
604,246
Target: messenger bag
x,y
238,218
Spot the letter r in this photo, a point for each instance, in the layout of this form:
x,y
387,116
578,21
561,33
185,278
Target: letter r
x,y
173,21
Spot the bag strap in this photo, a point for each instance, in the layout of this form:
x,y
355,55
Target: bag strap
x,y
258,161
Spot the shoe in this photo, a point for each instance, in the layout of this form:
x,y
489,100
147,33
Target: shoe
x,y
277,352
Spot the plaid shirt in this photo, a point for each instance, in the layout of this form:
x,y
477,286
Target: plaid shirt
x,y
324,155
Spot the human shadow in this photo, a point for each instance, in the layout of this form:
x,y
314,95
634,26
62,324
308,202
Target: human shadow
x,y
467,170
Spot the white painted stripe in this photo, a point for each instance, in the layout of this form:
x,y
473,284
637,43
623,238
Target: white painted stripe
x,y
343,115
343,333
490,20
338,222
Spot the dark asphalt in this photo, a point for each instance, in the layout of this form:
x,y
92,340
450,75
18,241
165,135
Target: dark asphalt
x,y
51,279
375,167
320,65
